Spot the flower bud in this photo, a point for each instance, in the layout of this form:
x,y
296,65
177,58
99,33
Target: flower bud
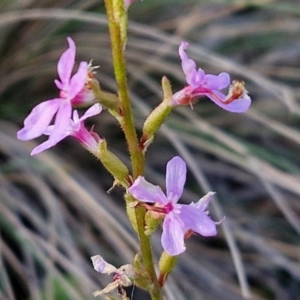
x,y
166,265
157,116
113,164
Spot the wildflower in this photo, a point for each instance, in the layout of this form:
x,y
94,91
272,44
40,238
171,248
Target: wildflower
x,y
179,219
76,128
209,85
124,276
72,91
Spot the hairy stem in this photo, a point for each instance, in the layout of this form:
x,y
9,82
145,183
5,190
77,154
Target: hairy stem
x,y
116,15
117,20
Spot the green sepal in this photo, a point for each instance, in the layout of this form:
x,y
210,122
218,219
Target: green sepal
x,y
152,223
130,209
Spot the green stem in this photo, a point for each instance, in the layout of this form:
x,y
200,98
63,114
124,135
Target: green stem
x,y
116,19
126,121
146,251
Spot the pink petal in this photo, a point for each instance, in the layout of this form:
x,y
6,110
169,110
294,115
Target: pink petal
x,y
76,118
42,147
59,85
172,238
38,120
197,221
78,80
66,63
237,106
197,78
218,82
175,178
188,65
90,140
62,122
203,202
145,191
58,131
92,111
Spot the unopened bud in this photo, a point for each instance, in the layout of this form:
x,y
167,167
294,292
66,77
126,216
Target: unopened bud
x,y
113,164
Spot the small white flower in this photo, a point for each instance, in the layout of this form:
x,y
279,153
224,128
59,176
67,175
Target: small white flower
x,y
124,276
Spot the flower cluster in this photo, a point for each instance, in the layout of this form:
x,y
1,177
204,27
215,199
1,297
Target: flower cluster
x,y
74,90
56,119
201,84
180,219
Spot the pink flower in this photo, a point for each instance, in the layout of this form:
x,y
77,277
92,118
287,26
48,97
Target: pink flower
x,y
179,218
75,128
200,84
72,91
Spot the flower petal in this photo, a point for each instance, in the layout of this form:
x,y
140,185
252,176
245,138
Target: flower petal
x,y
237,106
197,221
78,80
218,82
203,202
76,118
172,238
38,120
175,178
101,266
62,122
197,78
92,111
59,130
145,191
65,64
42,147
90,140
188,65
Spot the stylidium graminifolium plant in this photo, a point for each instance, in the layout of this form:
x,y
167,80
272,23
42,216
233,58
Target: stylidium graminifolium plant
x,y
147,205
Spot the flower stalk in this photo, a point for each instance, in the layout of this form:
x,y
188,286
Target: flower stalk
x,y
116,15
148,206
117,20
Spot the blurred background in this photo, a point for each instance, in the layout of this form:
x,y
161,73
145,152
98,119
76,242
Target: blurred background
x,y
55,211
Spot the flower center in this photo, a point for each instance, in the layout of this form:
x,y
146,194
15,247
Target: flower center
x,y
161,210
168,208
236,91
63,94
